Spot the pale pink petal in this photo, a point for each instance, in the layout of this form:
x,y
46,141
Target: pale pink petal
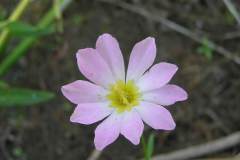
x,y
159,75
166,95
141,58
108,131
83,92
108,48
88,113
93,67
132,126
156,116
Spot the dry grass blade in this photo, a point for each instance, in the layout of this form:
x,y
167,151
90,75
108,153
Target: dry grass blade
x,y
232,9
94,155
176,27
203,149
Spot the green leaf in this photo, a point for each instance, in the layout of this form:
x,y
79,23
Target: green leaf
x,y
21,29
13,97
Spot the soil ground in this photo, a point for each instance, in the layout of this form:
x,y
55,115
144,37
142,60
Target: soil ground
x,y
43,132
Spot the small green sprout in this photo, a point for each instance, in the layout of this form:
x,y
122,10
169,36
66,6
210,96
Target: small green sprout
x,y
205,49
18,152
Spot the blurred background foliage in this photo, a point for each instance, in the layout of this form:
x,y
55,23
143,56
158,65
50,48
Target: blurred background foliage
x,y
38,42
12,27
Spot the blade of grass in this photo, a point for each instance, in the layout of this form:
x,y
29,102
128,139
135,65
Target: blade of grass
x,y
14,97
23,30
14,16
22,48
232,9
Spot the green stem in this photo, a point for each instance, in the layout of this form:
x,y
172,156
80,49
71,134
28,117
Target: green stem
x,y
148,146
22,48
14,16
143,143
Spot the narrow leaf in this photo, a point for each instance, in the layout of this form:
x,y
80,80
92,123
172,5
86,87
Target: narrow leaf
x,y
21,29
12,97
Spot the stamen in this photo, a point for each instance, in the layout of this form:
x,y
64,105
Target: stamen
x,y
123,96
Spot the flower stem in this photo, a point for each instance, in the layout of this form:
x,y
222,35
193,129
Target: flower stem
x,y
148,146
13,17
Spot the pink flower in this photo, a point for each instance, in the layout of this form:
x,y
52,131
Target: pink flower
x,y
124,101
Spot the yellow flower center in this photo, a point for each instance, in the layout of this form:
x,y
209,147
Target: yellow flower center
x,y
123,96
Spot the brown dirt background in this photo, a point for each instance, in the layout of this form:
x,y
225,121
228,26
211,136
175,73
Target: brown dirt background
x,y
43,132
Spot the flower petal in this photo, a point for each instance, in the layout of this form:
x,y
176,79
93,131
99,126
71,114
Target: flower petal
x,y
93,67
88,113
108,131
141,58
83,92
159,75
108,48
156,116
166,95
132,127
